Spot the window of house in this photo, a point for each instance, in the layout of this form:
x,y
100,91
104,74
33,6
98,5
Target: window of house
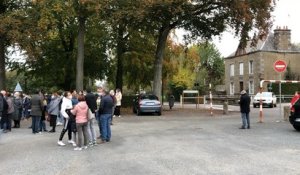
x,y
231,88
251,67
231,70
241,68
251,87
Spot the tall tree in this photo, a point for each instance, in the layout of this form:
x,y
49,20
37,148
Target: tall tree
x,y
203,19
8,30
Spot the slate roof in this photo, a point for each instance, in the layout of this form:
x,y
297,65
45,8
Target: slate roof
x,y
265,45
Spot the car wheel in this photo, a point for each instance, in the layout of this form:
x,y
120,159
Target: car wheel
x,y
254,106
159,113
275,105
271,105
297,127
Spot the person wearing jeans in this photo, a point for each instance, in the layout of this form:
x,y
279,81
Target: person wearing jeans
x,y
105,111
105,120
36,111
91,101
245,109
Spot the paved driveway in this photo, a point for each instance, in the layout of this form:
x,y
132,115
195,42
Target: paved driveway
x,y
179,142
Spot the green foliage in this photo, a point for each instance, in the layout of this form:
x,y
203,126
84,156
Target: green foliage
x,y
286,89
212,62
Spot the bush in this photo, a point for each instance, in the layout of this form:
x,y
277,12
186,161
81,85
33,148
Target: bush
x,y
286,89
127,101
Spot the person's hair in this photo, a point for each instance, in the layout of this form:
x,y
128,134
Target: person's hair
x,y
88,90
66,93
81,98
118,90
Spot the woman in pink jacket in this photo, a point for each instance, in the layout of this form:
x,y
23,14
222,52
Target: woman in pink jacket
x,y
81,112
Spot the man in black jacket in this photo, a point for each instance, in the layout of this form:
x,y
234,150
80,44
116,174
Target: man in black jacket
x,y
105,112
3,113
245,109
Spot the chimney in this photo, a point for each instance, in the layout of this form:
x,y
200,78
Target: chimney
x,y
282,38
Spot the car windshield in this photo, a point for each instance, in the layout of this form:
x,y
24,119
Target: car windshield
x,y
264,94
149,97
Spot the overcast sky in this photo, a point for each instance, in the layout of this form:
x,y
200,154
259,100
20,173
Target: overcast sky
x,y
286,13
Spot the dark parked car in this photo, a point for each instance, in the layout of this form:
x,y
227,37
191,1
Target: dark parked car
x,y
146,103
295,117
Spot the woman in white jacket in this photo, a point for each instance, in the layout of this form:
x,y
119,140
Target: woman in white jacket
x,y
65,111
118,96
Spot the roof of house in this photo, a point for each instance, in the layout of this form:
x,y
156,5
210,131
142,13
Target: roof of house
x,y
263,45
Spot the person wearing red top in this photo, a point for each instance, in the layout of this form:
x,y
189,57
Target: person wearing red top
x,y
294,100
81,112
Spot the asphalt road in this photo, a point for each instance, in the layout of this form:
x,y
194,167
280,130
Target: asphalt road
x,y
180,142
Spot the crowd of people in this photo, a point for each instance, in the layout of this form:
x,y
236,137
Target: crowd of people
x,y
76,112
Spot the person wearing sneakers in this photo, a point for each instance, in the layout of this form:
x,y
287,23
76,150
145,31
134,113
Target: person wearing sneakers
x,y
65,107
81,112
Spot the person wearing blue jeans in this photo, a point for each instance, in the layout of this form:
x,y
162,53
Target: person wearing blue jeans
x,y
105,112
105,120
35,124
245,109
37,106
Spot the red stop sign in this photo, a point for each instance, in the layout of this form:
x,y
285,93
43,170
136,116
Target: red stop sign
x,y
279,66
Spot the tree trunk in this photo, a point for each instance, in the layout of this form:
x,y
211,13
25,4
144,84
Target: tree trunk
x,y
80,55
3,9
157,82
2,62
120,52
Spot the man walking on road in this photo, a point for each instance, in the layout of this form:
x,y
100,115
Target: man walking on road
x,y
245,109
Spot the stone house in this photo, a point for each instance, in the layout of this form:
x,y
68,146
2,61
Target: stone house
x,y
245,68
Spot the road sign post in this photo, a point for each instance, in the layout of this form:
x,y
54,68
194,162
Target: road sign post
x,y
280,66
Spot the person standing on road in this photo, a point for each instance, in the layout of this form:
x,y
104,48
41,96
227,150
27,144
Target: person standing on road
x,y
245,109
81,111
105,112
91,101
53,110
37,106
10,111
118,96
3,113
112,94
65,110
18,105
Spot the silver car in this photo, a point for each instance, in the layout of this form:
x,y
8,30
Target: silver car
x,y
146,103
